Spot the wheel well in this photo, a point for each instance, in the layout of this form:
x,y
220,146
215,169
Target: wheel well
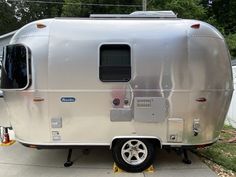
x,y
154,141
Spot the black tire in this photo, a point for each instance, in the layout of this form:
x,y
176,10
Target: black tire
x,y
121,162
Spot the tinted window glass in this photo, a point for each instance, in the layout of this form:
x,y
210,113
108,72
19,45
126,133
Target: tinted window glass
x,y
115,63
14,68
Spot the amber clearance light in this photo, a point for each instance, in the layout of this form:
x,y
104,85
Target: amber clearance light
x,y
40,25
38,99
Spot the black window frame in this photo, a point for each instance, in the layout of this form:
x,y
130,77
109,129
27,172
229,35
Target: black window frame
x,y
126,69
28,66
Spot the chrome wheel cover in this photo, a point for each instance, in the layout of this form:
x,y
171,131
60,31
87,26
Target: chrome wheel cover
x,y
134,152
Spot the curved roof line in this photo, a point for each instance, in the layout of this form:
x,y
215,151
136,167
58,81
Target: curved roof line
x,y
8,34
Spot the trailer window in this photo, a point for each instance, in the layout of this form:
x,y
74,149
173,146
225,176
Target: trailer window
x,y
115,63
14,67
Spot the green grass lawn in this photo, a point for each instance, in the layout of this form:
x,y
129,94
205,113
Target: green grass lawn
x,y
223,152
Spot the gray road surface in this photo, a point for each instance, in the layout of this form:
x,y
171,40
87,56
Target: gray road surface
x,y
19,161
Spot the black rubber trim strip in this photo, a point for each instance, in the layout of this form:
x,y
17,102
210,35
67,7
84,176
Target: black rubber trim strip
x,y
60,146
81,146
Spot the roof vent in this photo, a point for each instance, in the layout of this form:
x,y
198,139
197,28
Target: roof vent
x,y
157,14
138,14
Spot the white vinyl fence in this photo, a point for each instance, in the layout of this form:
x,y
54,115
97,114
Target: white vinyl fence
x,y
231,116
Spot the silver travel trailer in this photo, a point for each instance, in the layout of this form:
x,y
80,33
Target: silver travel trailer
x,y
124,81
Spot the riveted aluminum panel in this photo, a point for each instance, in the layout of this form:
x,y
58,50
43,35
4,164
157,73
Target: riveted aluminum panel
x,y
149,109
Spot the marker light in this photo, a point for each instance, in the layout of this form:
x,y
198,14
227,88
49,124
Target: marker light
x,y
40,25
202,99
195,26
38,99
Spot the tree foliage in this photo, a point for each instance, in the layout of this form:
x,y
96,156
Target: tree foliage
x,y
231,41
83,8
224,12
15,14
189,9
29,11
8,22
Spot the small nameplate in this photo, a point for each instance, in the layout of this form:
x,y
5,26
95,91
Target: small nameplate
x,y
67,99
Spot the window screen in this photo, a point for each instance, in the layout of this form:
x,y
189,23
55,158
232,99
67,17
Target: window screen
x,y
115,63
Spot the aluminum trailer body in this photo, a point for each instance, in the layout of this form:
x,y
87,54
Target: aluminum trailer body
x,y
96,80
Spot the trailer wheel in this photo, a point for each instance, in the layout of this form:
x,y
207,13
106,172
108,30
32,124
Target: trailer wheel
x,y
133,155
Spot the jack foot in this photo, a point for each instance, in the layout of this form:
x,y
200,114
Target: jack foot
x,y
68,164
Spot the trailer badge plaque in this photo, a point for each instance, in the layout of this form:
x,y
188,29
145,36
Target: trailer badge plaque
x,y
68,99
